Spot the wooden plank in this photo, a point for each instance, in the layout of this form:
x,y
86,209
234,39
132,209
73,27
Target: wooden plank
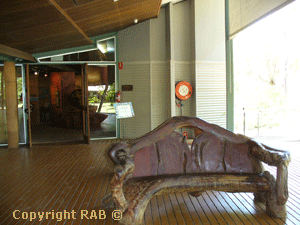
x,y
206,210
177,210
169,209
186,214
200,211
77,177
155,211
190,207
236,208
262,208
221,209
165,216
148,220
16,53
26,193
76,26
70,20
248,211
213,208
231,212
259,215
61,41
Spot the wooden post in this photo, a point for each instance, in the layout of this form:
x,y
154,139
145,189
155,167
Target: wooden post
x,y
11,102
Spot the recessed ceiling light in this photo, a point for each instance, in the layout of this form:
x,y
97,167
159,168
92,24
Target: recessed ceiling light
x,y
116,0
136,21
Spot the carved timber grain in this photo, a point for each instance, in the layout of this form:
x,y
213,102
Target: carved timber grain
x,y
161,162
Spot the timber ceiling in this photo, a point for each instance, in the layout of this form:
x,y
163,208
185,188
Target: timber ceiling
x,y
35,26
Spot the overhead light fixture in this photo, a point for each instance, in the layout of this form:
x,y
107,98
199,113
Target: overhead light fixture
x,y
116,0
36,73
136,21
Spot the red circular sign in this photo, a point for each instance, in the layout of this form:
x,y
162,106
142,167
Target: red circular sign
x,y
183,90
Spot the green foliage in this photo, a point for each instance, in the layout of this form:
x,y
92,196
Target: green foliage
x,y
110,95
19,86
94,99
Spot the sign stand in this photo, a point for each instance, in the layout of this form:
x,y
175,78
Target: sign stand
x,y
124,110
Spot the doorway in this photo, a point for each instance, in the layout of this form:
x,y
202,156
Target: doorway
x,y
267,77
101,98
21,106
56,109
71,102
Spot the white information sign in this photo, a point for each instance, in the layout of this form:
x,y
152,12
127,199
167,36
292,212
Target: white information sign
x,y
124,110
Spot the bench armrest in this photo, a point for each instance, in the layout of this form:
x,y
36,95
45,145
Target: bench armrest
x,y
278,158
124,167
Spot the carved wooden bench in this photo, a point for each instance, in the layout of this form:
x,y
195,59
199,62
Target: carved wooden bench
x,y
162,162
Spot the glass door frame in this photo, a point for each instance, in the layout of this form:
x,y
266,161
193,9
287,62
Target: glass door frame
x,y
96,40
24,104
116,88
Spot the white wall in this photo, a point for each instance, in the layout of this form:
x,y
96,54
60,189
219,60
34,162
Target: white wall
x,y
182,31
210,56
210,30
136,73
134,43
158,50
198,56
159,67
134,52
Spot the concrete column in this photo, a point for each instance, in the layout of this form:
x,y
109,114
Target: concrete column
x,y
170,36
11,101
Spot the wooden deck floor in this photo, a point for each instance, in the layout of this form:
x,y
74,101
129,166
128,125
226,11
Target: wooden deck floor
x,y
62,179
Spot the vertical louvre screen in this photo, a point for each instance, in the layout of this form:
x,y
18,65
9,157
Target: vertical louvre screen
x,y
211,92
243,13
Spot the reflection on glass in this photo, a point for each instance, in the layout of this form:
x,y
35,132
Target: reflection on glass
x,y
3,126
3,121
21,108
105,52
107,47
101,96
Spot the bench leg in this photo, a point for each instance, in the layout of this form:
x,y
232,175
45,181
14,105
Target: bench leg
x,y
260,197
134,214
272,207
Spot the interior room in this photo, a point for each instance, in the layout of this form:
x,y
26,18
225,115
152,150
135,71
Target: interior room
x,y
65,152
58,106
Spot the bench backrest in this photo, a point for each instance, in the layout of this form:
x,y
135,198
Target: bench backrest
x,y
208,154
165,151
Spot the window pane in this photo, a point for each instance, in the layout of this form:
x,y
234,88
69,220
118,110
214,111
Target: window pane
x,y
105,52
3,121
101,97
3,126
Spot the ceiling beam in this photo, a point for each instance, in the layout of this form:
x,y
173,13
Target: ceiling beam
x,y
16,53
75,25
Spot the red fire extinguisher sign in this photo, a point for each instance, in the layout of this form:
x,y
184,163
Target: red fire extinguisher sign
x,y
118,96
120,65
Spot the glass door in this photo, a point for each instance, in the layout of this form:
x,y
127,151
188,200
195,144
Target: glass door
x,y
21,106
3,125
86,117
101,97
